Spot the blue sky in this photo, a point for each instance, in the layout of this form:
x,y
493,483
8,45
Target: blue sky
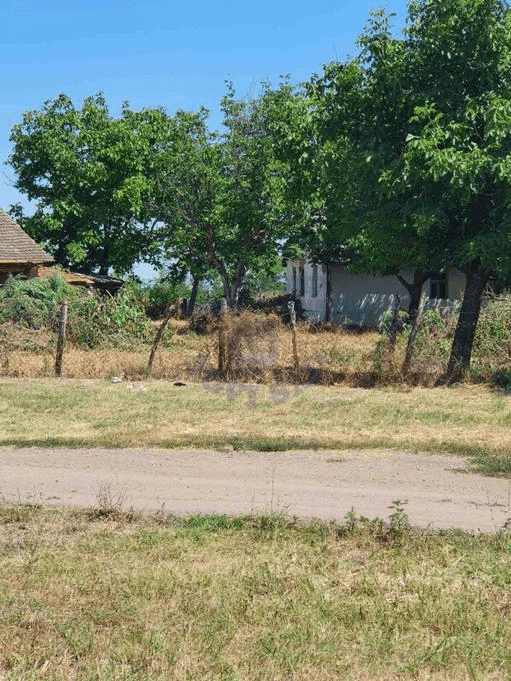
x,y
162,53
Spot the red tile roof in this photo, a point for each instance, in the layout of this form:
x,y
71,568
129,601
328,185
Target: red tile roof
x,y
16,246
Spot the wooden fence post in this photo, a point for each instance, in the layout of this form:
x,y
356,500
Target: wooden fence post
x,y
292,321
393,329
413,334
222,350
156,342
62,338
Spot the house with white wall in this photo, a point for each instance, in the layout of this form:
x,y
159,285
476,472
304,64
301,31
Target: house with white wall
x,y
332,293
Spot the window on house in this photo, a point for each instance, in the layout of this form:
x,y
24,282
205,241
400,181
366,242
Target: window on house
x,y
302,281
438,285
294,280
314,281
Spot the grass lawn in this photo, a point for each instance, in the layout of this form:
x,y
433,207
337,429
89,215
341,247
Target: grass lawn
x,y
466,420
104,594
247,598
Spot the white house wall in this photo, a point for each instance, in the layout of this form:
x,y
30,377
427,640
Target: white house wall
x,y
314,307
359,299
455,284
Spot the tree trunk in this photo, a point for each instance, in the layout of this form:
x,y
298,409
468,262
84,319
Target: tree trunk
x,y
237,283
328,307
413,334
227,290
156,342
414,290
232,288
62,337
193,296
393,331
459,361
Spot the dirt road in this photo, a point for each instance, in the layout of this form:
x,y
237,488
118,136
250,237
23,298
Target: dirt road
x,y
439,490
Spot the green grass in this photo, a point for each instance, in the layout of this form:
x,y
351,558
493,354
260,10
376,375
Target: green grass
x,y
467,420
109,595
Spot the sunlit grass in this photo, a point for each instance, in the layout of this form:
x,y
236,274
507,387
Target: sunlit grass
x,y
466,420
103,594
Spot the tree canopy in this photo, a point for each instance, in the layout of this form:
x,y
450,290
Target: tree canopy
x,y
220,195
410,144
91,177
149,186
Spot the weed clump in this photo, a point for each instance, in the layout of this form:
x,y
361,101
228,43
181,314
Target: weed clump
x,y
95,321
252,345
103,321
33,303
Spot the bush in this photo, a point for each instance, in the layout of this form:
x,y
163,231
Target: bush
x,y
94,321
163,292
492,343
386,318
104,321
491,354
34,303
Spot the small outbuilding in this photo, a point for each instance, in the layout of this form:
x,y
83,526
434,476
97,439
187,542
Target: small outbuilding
x,y
20,255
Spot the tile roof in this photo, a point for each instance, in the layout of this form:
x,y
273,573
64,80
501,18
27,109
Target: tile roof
x,y
16,246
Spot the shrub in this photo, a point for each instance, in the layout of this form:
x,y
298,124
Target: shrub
x,y
492,343
386,318
94,321
102,321
33,303
163,292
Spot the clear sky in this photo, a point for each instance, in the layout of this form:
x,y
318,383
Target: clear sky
x,y
163,53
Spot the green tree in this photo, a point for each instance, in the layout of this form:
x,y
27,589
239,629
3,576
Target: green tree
x,y
460,156
220,198
184,199
90,176
413,136
361,114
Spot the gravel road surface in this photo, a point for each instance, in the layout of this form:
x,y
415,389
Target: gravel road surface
x,y
439,491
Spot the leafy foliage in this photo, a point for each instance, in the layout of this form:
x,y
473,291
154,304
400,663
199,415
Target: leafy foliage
x,y
91,177
33,303
96,321
163,291
410,143
104,321
221,195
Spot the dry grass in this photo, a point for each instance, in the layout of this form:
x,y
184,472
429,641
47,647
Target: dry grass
x,y
259,349
87,596
325,356
465,420
251,346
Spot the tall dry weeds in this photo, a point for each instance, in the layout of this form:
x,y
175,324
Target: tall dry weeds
x,y
259,349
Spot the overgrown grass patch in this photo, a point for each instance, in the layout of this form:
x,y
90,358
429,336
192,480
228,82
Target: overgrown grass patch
x,y
89,596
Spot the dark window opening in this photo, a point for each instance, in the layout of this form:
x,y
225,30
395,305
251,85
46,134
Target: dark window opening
x,y
438,285
314,281
302,281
